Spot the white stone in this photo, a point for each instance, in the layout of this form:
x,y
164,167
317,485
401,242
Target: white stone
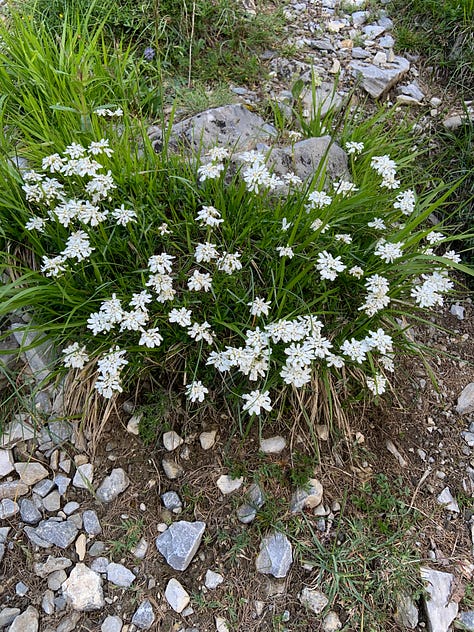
x,y
83,589
176,595
172,440
139,551
314,600
119,575
207,439
221,625
6,463
113,485
31,473
111,624
84,476
276,555
331,622
28,621
446,499
80,546
273,445
465,403
440,610
134,424
227,484
457,310
212,580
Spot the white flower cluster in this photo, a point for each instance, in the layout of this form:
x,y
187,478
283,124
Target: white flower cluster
x,y
386,167
110,366
353,148
256,174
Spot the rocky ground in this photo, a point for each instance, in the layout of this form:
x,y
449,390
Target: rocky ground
x,y
200,529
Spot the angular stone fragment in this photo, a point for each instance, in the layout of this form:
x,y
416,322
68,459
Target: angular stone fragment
x,y
447,499
61,534
172,469
47,603
255,500
172,501
176,595
51,565
8,508
119,575
37,350
7,616
13,489
273,445
314,600
139,551
6,463
207,439
275,555
465,621
144,616
29,511
440,610
172,440
212,580
377,81
84,476
227,484
56,580
91,522
18,430
113,485
179,543
465,403
311,496
111,624
28,621
52,502
43,487
83,589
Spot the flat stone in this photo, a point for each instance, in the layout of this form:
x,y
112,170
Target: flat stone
x,y
51,565
111,624
84,476
176,595
139,551
212,580
61,534
6,463
447,499
13,489
373,31
62,483
360,53
70,507
227,484
8,508
27,621
412,90
80,546
100,565
60,431
221,624
179,543
21,589
83,589
311,496
275,555
47,603
314,600
113,485
91,522
440,610
52,502
2,551
69,623
56,579
29,512
232,126
97,548
18,430
273,445
43,487
172,440
144,616
7,616
172,469
465,403
377,81
172,501
457,310
406,613
4,531
37,350
331,622
119,575
207,439
468,438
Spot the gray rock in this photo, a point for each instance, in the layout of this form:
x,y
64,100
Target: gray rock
x,y
331,622
4,531
43,487
97,548
62,483
275,555
406,613
227,484
172,440
457,310
61,534
139,551
212,580
179,543
18,430
465,403
144,616
56,579
6,463
100,565
309,156
8,352
37,350
359,17
386,41
176,595
172,469
255,500
360,53
70,507
47,603
386,23
28,621
52,502
29,512
458,120
314,600
232,126
377,81
21,589
51,565
311,496
8,508
13,489
42,402
7,616
83,589
60,431
69,624
465,621
84,476
321,100
373,31
207,439
112,486
440,611
412,90
321,44
111,624
59,603
2,551
273,445
468,438
172,501
91,522
120,575
447,499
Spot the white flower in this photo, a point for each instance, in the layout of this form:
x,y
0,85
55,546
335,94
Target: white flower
x,y
334,361
211,171
257,176
181,316
218,153
75,150
196,391
205,252
318,199
376,298
200,281
259,306
219,360
354,148
53,266
377,384
291,179
160,282
328,266
36,223
383,164
452,255
163,229
77,246
151,338
123,215
140,300
285,224
285,251
379,340
209,216
201,332
317,224
107,112
166,294
252,157
296,375
434,238
98,322
100,186
54,163
344,187
112,309
229,262
388,252
110,367
294,135
134,320
405,201
377,223
357,272
160,263
390,182
355,349
88,213
255,401
344,237
100,147
299,354
75,356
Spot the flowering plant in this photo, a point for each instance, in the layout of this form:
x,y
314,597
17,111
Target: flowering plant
x,y
264,282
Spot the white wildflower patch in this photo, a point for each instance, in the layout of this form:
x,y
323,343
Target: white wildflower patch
x,y
196,391
329,266
259,306
257,401
353,148
388,252
75,356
